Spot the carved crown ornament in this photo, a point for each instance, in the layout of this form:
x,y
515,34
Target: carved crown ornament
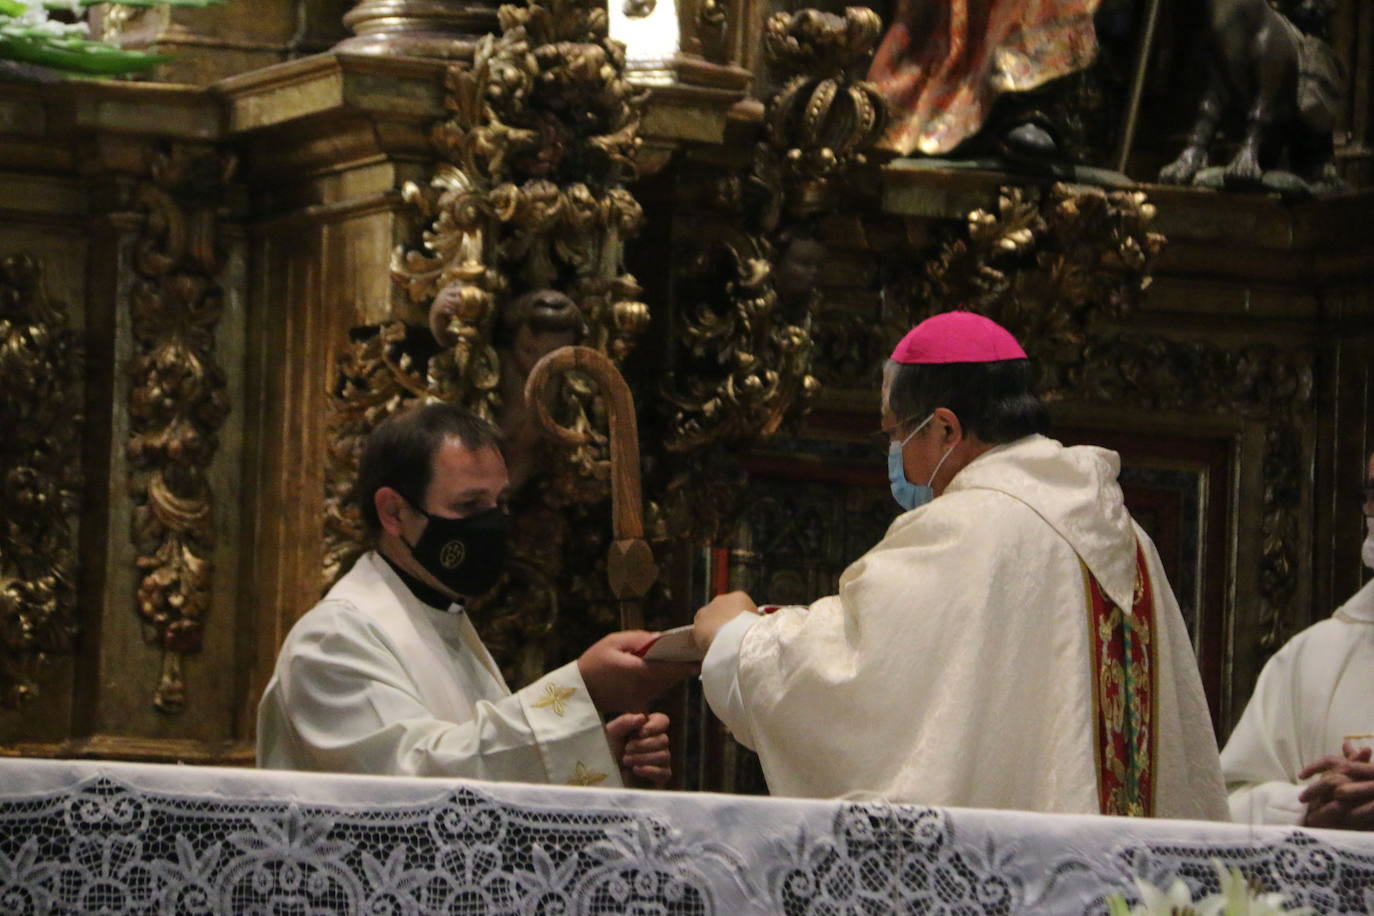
x,y
177,402
40,478
825,115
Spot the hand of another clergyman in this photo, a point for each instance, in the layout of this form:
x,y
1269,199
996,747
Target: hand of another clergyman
x,y
640,744
1344,796
618,680
721,610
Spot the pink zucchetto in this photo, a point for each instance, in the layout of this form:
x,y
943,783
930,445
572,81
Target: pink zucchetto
x,y
957,337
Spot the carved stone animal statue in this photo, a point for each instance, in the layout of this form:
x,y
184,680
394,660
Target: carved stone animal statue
x,y
1285,84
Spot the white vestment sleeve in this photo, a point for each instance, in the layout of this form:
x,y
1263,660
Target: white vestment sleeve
x,y
1262,757
342,701
720,678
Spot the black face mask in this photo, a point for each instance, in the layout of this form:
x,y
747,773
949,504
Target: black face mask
x,y
465,554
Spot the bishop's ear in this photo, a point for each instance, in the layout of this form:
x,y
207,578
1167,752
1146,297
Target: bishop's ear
x,y
389,503
948,427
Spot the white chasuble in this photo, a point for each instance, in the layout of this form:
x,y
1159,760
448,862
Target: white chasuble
x,y
372,680
1314,694
958,665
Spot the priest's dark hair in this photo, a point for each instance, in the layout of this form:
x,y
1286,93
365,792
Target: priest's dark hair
x,y
994,401
400,452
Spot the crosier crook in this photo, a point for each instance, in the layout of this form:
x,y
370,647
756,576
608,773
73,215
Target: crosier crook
x,y
629,562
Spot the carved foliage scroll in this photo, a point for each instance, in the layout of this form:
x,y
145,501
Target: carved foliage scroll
x,y
176,404
745,346
375,379
1047,263
40,377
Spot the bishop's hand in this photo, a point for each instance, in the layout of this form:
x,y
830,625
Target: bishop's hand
x,y
721,610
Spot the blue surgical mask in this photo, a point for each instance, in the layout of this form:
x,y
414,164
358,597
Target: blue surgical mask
x,y
910,495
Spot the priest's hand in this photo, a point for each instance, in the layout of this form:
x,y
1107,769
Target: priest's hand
x,y
721,610
639,743
619,681
1343,798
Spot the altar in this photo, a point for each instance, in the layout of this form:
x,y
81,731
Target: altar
x,y
105,837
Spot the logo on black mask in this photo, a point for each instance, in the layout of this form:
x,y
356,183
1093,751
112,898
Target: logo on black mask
x,y
466,555
452,554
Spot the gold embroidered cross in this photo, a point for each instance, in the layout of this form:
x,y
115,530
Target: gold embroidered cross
x,y
555,697
585,777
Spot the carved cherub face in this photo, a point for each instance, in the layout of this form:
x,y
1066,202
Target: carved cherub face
x,y
530,345
537,323
799,269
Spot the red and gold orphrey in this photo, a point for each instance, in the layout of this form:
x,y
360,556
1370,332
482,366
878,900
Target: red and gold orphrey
x,y
1125,669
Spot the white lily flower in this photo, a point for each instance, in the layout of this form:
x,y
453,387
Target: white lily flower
x,y
1238,899
1155,901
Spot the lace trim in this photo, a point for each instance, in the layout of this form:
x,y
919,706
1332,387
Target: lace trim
x,y
102,846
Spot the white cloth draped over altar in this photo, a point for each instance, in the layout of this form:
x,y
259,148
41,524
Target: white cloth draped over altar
x,y
137,838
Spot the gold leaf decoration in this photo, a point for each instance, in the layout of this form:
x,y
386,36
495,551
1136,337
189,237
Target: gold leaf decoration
x,y
176,403
826,116
1048,263
744,344
40,477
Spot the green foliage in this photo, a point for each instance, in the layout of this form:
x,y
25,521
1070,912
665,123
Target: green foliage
x,y
28,35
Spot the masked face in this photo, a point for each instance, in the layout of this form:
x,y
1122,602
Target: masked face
x,y
466,555
909,495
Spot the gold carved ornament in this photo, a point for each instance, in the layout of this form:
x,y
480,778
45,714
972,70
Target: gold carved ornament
x,y
825,116
743,354
177,403
40,478
1049,263
525,219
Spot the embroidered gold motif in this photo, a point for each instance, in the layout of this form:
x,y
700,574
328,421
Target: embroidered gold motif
x,y
556,698
585,777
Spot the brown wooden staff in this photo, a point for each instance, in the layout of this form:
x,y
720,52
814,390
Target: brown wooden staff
x,y
629,563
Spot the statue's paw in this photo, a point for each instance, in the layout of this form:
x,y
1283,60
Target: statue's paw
x,y
1182,169
1244,170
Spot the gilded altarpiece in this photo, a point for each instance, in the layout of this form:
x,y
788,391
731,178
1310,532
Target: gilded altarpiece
x,y
132,232
217,250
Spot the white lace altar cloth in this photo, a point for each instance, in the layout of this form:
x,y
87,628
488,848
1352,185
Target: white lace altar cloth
x,y
99,837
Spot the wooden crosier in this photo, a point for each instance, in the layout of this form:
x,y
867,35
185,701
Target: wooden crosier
x,y
629,562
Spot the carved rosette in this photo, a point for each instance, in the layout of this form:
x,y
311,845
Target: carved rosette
x,y
176,403
1047,264
40,478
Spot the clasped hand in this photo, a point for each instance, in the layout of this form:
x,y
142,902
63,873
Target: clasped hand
x,y
1343,797
639,744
